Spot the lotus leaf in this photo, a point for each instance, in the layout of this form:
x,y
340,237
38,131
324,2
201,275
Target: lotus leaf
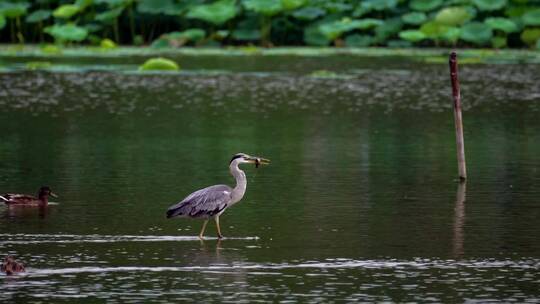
x,y
502,24
388,28
167,7
335,29
451,34
308,13
246,35
110,15
38,65
378,5
292,4
337,7
517,11
159,64
85,3
194,34
498,42
2,21
67,32
107,44
476,32
531,36
434,30
453,16
51,49
66,11
412,35
357,40
314,37
398,43
264,7
216,13
39,15
13,10
93,27
414,18
532,17
425,5
489,5
160,43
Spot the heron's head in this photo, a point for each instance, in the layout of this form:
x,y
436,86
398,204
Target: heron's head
x,y
46,191
242,158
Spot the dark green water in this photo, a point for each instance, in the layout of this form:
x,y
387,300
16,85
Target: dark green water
x,y
359,203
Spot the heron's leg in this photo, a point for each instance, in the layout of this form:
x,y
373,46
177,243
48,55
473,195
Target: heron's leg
x,y
217,226
201,235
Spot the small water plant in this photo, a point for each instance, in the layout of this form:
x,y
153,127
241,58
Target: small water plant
x,y
159,64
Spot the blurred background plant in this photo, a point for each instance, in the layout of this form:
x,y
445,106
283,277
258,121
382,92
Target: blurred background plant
x,y
341,23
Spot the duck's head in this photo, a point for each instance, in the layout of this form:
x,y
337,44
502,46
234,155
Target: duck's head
x,y
243,158
45,191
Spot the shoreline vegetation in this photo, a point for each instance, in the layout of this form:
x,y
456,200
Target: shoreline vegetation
x,y
496,24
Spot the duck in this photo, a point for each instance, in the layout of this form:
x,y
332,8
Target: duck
x,y
41,200
10,266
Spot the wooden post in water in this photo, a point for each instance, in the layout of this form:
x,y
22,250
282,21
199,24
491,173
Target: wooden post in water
x,y
457,117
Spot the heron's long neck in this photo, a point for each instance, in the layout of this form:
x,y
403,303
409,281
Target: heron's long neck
x,y
241,182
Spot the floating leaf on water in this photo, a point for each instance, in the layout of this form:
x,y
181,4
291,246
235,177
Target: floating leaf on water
x,y
489,5
412,35
159,64
39,15
107,44
425,5
502,24
414,18
531,36
216,13
38,65
67,32
476,32
453,16
51,49
357,40
66,11
532,17
308,13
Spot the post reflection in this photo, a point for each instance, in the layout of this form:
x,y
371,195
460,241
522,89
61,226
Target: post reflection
x,y
459,220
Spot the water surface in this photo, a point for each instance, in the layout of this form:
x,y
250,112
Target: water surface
x,y
359,203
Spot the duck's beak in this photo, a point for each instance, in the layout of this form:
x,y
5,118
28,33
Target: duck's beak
x,y
53,195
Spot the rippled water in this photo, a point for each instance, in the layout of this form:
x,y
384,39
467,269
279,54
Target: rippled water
x,y
359,203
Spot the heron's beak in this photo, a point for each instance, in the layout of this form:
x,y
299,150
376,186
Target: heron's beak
x,y
53,195
259,161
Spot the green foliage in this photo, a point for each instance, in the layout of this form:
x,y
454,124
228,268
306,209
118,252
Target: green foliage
x,y
107,44
67,32
531,17
489,5
352,23
412,35
159,64
453,16
530,36
502,24
66,11
414,18
425,5
476,32
38,16
216,13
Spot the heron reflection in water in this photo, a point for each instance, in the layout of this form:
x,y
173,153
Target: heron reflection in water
x,y
212,201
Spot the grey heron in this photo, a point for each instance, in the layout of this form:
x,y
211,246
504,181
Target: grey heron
x,y
212,201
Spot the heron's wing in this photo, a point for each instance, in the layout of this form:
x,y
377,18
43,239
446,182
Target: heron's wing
x,y
206,202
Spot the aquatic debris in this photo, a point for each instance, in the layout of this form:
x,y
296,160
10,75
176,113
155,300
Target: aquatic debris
x,y
10,266
159,64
